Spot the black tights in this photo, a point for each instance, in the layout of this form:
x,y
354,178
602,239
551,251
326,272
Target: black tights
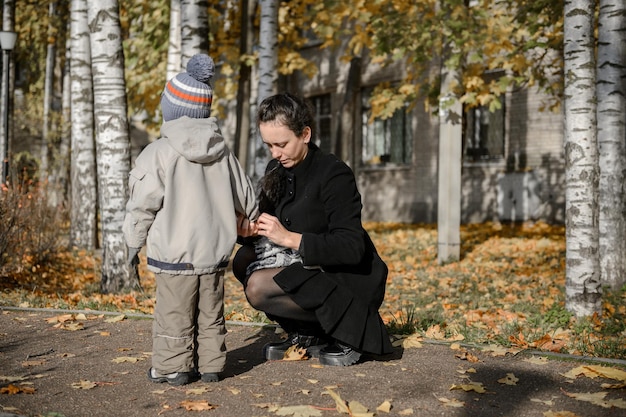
x,y
262,291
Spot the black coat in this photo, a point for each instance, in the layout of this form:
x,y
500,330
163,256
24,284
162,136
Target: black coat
x,y
321,201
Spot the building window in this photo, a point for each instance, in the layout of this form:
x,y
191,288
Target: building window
x,y
322,120
386,141
484,134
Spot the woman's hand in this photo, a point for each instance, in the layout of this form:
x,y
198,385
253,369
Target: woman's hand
x,y
245,227
270,227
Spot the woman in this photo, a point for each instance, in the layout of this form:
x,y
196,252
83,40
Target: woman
x,y
328,296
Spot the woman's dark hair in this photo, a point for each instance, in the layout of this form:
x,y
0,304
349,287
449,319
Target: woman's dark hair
x,y
289,110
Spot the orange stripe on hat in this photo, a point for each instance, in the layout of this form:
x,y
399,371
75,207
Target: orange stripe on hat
x,y
203,99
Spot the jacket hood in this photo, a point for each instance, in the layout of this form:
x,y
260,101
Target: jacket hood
x,y
197,140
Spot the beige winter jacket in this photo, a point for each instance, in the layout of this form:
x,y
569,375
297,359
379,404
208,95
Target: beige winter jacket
x,y
185,191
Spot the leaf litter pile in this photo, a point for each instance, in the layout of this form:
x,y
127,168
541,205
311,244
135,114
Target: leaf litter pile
x,y
506,291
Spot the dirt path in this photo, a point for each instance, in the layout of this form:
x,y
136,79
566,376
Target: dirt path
x,y
91,367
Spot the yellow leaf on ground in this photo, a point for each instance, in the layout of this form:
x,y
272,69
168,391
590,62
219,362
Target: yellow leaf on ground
x,y
509,379
295,353
298,411
197,391
406,412
559,414
537,360
16,389
359,410
384,407
606,372
116,319
12,378
549,403
342,407
472,386
83,384
451,403
130,359
200,405
72,327
597,398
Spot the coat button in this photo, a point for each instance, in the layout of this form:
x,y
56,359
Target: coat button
x,y
290,192
287,221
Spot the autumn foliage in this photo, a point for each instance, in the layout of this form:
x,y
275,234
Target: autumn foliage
x,y
507,289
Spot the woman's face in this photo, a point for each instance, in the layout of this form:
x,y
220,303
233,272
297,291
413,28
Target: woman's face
x,y
283,143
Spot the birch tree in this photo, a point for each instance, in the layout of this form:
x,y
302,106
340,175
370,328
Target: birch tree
x,y
194,29
83,210
582,270
267,72
48,92
112,141
174,46
611,98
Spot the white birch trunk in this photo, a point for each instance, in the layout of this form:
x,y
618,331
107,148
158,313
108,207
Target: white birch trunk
x,y
243,110
83,213
268,72
44,166
611,98
194,29
112,141
582,270
173,51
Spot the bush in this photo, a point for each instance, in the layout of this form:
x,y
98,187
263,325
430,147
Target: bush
x,y
31,229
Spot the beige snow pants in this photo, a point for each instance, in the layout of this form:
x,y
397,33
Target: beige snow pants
x,y
189,329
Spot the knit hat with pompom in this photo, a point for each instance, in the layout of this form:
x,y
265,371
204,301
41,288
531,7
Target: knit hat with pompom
x,y
189,93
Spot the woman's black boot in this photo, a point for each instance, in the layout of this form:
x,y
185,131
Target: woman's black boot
x,y
302,334
338,354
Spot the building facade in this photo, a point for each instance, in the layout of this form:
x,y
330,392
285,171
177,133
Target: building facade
x,y
513,161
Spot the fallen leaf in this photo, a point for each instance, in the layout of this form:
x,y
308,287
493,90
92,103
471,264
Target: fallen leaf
x,y
597,398
384,407
559,414
130,359
406,412
234,391
16,389
537,360
83,384
12,378
73,327
451,403
342,407
466,356
27,364
197,391
295,353
359,410
544,402
116,319
472,386
298,411
199,405
509,379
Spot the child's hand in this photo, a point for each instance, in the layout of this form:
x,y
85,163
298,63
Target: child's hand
x,y
245,227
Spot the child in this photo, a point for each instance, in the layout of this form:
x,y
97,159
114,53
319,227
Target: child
x,y
187,191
